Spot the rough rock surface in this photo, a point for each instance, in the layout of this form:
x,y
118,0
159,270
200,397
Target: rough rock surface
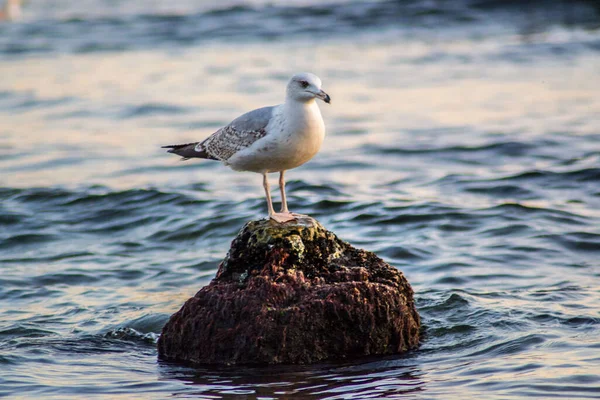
x,y
294,293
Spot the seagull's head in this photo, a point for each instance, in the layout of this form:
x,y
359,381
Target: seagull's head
x,y
305,87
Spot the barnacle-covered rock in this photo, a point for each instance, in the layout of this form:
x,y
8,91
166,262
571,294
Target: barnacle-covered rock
x,y
294,293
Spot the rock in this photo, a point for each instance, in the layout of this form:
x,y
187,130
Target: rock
x,y
294,293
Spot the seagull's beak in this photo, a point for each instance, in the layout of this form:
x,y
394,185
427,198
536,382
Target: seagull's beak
x,y
323,96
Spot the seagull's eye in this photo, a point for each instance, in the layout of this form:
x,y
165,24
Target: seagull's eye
x,y
304,84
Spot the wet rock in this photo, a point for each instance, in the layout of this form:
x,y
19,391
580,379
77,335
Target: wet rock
x,y
294,293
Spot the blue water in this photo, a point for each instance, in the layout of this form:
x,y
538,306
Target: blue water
x,y
463,147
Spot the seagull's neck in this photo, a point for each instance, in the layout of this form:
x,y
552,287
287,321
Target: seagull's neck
x,y
294,109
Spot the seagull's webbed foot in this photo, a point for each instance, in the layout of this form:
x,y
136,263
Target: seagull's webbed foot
x,y
283,217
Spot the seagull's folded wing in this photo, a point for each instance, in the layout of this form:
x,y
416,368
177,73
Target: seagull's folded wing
x,y
239,134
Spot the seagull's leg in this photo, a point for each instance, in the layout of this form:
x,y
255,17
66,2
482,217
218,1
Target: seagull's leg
x,y
279,217
268,193
284,208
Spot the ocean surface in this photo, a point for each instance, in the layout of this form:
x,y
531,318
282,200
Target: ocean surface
x,y
463,147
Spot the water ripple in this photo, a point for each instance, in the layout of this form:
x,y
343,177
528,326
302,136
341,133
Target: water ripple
x,y
121,32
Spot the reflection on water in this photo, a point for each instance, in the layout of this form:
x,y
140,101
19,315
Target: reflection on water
x,y
462,147
382,378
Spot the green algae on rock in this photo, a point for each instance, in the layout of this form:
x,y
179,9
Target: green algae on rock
x,y
294,293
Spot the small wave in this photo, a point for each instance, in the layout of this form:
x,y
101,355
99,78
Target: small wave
x,y
35,195
513,149
403,253
582,322
296,186
502,191
26,239
70,278
134,197
23,331
145,329
111,222
510,209
45,259
512,346
576,241
412,217
550,177
131,335
233,10
508,230
453,302
10,219
450,330
149,109
182,231
19,101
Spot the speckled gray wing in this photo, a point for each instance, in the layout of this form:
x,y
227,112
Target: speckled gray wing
x,y
242,132
239,134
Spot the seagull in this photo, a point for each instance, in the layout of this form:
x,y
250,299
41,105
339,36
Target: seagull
x,y
11,10
269,139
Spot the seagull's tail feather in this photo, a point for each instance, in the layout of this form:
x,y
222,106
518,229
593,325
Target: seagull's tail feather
x,y
188,150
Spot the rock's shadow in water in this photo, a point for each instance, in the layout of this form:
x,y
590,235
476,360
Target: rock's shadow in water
x,y
367,377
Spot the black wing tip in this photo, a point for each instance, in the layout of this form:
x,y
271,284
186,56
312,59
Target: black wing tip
x,y
178,146
172,148
187,153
